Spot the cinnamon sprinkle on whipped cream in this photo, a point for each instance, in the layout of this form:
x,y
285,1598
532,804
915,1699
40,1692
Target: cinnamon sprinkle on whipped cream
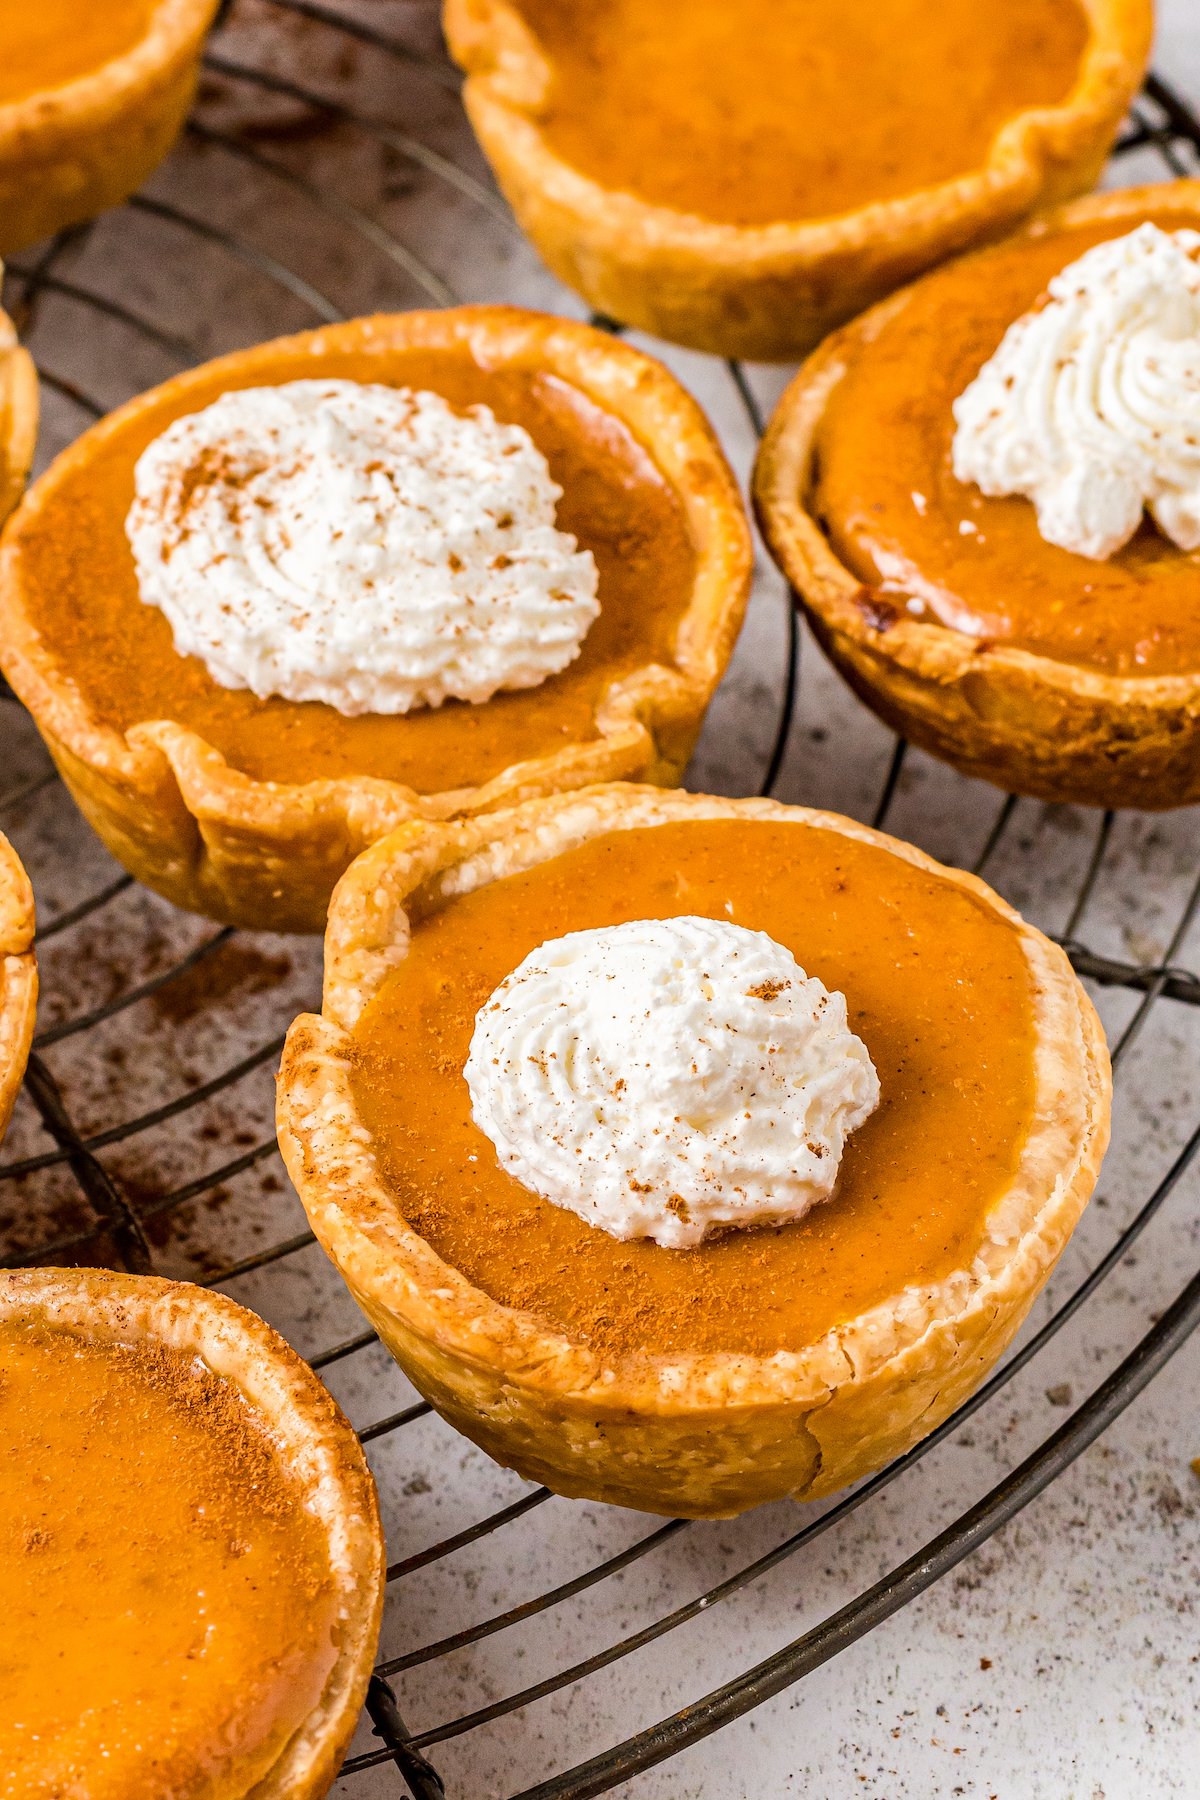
x,y
360,545
668,1078
1091,405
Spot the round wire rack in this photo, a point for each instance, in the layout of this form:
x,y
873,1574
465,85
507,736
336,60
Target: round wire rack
x,y
327,155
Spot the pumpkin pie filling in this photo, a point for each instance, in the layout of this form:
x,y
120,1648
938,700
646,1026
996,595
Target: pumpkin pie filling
x,y
937,987
900,521
81,591
165,1589
47,45
787,109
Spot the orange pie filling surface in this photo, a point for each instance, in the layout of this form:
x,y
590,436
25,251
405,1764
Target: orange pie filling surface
x,y
773,110
168,1615
933,547
82,593
57,41
937,987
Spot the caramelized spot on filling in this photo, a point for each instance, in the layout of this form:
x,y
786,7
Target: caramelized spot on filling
x,y
887,435
82,593
168,1614
56,41
937,987
769,110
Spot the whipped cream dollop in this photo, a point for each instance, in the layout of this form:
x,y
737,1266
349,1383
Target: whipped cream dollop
x,y
668,1077
1091,405
362,545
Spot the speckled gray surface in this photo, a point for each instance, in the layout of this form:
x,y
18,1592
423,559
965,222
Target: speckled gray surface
x,y
1060,1660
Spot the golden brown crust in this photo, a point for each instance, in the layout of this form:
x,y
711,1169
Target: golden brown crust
x,y
18,977
314,1440
700,1435
1024,721
769,293
18,415
68,152
265,854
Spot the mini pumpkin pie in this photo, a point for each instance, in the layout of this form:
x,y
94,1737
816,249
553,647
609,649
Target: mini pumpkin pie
x,y
743,178
18,415
190,1549
18,977
418,565
91,99
986,493
687,1152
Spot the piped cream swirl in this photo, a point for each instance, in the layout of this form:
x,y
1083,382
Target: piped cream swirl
x,y
668,1077
360,545
1091,405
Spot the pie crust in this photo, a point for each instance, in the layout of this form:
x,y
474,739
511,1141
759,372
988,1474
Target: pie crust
x,y
18,968
771,292
314,1439
18,977
1027,722
68,152
702,1435
266,854
18,415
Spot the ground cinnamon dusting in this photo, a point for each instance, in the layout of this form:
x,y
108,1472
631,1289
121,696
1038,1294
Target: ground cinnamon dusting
x,y
236,968
212,1406
212,468
149,1522
768,990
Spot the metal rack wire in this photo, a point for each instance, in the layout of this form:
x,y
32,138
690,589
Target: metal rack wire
x,y
120,1229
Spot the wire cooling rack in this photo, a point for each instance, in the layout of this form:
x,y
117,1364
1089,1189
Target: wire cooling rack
x,y
158,1033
